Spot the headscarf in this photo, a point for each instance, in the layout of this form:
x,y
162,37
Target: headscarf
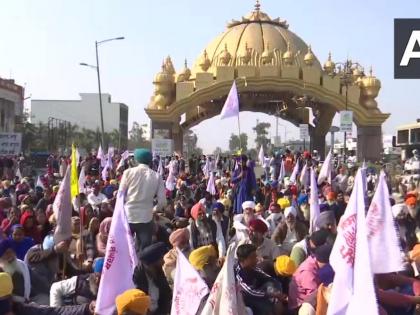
x,y
102,236
284,266
178,237
201,256
133,300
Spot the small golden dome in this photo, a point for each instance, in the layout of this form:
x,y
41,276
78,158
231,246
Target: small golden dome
x,y
225,56
309,57
329,65
288,55
246,55
160,101
267,55
371,81
357,73
185,74
163,76
204,62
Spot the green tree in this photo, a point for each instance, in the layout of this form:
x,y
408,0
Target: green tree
x,y
217,151
235,144
136,138
261,131
190,144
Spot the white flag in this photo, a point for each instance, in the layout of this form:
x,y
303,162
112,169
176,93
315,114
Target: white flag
x,y
295,173
82,180
206,168
18,174
39,183
124,157
282,173
261,156
231,107
225,297
211,188
325,172
189,288
382,235
304,176
160,169
78,157
100,153
108,167
62,208
170,181
352,292
120,261
313,203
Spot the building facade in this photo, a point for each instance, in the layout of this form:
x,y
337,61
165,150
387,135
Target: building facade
x,y
85,113
11,105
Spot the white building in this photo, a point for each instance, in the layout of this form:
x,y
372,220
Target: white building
x,y
84,113
11,105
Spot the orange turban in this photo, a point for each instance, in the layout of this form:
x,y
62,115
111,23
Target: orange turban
x,y
180,236
411,201
195,209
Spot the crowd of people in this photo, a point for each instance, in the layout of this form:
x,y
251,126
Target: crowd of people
x,y
197,207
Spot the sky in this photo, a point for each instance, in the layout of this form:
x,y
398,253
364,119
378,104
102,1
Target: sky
x,y
43,42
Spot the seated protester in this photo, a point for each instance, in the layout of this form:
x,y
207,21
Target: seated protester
x,y
102,236
8,306
266,248
289,232
241,221
17,269
96,198
89,251
13,217
20,243
28,222
45,200
222,224
306,281
207,201
260,211
282,269
303,203
274,218
261,292
204,260
341,206
132,301
43,226
44,264
77,289
327,221
181,207
203,231
149,277
179,239
301,250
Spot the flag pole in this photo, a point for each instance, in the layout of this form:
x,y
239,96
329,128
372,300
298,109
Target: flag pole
x,y
239,130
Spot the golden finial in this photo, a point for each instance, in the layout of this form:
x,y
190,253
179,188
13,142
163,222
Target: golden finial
x,y
257,5
371,71
186,63
309,57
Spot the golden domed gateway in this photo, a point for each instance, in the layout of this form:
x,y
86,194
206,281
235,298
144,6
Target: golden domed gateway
x,y
270,64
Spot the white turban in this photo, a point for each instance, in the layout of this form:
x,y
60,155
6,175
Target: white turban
x,y
398,208
290,210
248,204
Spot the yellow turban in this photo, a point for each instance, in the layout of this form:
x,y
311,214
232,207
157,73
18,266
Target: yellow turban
x,y
6,285
55,188
284,266
283,203
133,300
6,184
113,182
201,256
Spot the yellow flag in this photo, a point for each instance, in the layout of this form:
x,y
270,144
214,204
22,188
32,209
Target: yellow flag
x,y
74,178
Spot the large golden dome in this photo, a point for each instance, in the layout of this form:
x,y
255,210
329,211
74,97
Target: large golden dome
x,y
253,33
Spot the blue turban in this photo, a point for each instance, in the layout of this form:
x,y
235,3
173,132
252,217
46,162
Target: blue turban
x,y
98,265
219,206
5,245
143,156
302,199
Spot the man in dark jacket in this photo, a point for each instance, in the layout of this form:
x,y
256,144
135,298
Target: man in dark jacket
x,y
149,278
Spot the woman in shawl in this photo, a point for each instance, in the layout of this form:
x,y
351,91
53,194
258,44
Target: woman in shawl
x,y
102,237
20,243
244,180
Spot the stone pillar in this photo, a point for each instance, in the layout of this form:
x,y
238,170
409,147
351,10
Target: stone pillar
x,y
178,138
369,143
318,143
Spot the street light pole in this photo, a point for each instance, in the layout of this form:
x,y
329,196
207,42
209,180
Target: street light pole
x,y
99,85
100,98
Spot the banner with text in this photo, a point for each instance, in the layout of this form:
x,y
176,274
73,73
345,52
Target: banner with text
x,y
162,147
346,121
10,143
